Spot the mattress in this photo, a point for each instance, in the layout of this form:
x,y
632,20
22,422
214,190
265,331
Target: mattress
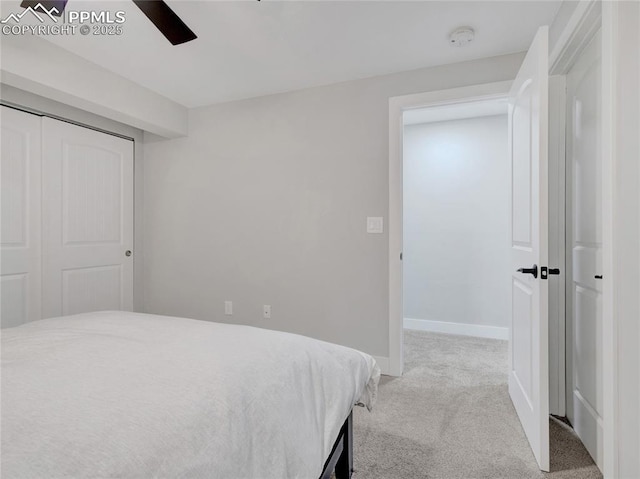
x,y
127,395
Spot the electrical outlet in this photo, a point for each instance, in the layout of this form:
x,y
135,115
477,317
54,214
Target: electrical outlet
x,y
228,308
266,311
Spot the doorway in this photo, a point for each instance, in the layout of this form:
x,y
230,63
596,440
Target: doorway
x,y
457,103
456,220
456,255
403,108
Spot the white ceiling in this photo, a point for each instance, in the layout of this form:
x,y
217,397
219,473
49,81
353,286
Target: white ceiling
x,y
456,111
249,48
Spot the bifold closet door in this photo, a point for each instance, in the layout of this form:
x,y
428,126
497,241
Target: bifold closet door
x,y
87,208
20,161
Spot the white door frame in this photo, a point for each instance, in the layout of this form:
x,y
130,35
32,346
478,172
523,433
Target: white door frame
x,y
621,286
583,23
588,16
397,106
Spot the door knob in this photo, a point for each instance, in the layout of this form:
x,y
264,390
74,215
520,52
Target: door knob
x,y
532,271
127,253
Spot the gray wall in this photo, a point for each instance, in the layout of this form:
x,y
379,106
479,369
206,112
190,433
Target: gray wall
x,y
456,258
265,203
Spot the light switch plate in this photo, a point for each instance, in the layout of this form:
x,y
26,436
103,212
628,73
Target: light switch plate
x,y
375,224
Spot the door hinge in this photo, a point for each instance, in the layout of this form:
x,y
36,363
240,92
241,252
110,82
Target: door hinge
x,y
544,272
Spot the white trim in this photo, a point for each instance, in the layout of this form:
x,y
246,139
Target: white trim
x,y
476,330
396,354
397,105
383,364
609,327
588,16
620,242
584,22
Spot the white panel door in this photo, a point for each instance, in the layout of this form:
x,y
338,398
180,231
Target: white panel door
x,y
87,193
584,258
20,163
529,339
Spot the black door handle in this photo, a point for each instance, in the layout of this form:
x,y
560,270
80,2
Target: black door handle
x,y
533,271
598,276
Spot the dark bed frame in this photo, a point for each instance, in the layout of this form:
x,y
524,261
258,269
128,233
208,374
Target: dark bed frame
x,y
341,458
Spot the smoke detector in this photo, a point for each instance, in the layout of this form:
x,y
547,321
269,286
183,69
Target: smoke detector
x,y
461,36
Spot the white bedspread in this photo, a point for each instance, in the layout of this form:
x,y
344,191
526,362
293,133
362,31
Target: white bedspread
x,y
127,395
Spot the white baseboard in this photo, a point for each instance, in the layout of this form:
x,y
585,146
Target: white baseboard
x,y
383,364
477,330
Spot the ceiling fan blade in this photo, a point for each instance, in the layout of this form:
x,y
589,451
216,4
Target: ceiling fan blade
x,y
47,4
166,20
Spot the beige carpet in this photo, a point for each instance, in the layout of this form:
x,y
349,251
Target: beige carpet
x,y
450,416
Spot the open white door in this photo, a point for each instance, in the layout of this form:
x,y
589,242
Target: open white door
x,y
529,335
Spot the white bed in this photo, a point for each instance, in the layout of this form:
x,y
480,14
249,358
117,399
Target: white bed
x,y
116,394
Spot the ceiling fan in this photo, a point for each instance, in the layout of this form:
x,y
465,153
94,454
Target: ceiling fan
x,y
160,14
